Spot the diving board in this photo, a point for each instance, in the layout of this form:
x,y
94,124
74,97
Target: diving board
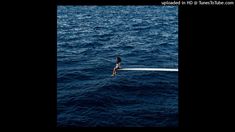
x,y
148,69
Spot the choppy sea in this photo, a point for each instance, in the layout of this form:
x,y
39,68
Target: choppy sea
x,y
88,40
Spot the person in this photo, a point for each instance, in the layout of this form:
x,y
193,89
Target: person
x,y
118,65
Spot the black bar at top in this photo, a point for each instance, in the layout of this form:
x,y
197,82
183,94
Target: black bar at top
x,y
109,2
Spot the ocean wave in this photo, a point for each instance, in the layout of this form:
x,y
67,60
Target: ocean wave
x,y
88,40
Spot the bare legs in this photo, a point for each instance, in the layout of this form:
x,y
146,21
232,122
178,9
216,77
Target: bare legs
x,y
116,68
114,71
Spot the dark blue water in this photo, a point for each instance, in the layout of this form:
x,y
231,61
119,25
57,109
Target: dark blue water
x,y
89,38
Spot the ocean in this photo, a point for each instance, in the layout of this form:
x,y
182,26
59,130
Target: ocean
x,y
88,40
